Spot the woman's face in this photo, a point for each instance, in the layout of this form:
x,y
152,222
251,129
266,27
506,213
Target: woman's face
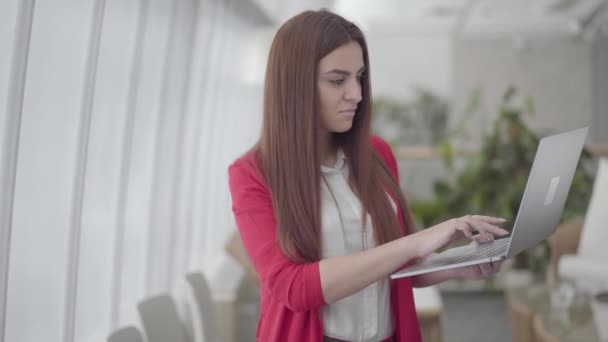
x,y
339,84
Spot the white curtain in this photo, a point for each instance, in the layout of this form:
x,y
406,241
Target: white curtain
x,y
118,120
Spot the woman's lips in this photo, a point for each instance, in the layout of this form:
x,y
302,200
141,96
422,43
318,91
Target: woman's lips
x,y
347,113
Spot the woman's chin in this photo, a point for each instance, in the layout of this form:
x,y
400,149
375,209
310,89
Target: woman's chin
x,y
343,128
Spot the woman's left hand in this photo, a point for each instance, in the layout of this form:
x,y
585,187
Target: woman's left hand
x,y
479,271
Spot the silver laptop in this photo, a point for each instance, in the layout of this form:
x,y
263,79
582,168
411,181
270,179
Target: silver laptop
x,y
539,211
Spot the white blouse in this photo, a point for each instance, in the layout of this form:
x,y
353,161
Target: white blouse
x,y
366,315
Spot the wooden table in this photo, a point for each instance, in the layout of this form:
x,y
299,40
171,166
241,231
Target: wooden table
x,y
534,319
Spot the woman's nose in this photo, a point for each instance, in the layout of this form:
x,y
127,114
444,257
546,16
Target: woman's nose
x,y
353,93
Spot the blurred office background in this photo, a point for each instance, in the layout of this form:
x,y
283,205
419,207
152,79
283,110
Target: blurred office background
x,y
119,118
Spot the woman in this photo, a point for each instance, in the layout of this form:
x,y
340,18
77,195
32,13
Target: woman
x,y
317,199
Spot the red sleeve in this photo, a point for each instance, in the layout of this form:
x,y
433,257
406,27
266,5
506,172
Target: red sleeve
x,y
386,153
297,286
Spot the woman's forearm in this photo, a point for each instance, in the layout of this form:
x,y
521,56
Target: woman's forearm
x,y
428,279
343,276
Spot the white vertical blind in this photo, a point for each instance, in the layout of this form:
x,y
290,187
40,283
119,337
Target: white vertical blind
x,y
47,170
172,116
86,104
115,156
15,28
214,114
140,165
205,140
105,154
194,138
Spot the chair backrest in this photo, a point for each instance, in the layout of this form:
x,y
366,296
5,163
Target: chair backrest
x,y
160,320
201,309
594,237
126,334
564,241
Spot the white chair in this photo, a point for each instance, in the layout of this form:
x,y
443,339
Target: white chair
x,y
126,334
587,268
160,320
201,309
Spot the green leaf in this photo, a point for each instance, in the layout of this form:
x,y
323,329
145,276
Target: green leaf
x,y
530,108
447,154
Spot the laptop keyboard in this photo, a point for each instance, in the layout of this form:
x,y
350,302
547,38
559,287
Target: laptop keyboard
x,y
468,253
482,251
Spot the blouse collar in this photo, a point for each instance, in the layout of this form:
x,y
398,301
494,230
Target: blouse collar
x,y
340,162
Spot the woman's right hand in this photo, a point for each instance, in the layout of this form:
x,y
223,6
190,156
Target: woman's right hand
x,y
440,235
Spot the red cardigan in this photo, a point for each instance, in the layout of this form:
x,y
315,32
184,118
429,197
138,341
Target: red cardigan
x,y
291,295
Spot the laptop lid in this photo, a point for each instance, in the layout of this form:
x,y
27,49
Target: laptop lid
x,y
547,189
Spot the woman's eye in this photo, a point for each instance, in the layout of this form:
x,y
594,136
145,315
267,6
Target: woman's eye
x,y
337,82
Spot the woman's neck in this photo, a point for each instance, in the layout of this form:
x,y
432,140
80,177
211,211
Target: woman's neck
x,y
327,150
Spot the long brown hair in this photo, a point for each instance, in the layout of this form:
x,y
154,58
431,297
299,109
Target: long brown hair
x,y
288,146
